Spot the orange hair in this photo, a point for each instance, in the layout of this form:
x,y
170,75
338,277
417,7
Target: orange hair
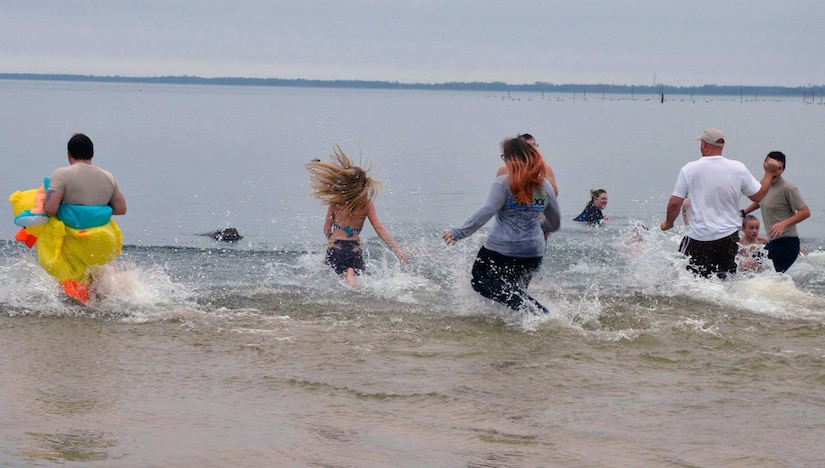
x,y
526,168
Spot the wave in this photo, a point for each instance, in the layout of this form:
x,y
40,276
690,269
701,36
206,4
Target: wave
x,y
608,280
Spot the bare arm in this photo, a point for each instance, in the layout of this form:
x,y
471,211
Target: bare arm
x,y
751,208
551,177
674,206
385,236
771,166
777,229
52,203
118,204
328,222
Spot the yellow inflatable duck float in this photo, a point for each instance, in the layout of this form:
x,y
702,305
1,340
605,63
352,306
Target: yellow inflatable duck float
x,y
70,246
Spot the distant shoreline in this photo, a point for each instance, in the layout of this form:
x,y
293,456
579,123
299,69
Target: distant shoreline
x,y
495,86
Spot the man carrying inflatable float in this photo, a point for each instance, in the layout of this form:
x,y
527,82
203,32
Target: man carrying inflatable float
x,y
69,218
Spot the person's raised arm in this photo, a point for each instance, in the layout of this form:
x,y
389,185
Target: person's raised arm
x,y
750,209
771,167
372,215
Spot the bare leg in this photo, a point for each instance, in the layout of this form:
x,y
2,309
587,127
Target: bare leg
x,y
351,277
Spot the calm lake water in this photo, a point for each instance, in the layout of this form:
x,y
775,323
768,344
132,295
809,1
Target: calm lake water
x,y
200,353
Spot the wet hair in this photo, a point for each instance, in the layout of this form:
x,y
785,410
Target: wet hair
x,y
594,194
525,166
777,155
748,218
81,147
341,183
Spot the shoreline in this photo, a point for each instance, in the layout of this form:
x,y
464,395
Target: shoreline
x,y
497,86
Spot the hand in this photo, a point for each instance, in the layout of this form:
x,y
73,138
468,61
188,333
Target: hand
x,y
771,165
777,229
666,225
449,238
402,256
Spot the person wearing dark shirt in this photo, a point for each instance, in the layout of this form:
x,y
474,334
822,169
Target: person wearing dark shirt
x,y
592,213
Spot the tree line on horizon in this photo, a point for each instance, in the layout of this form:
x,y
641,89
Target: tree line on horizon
x,y
494,86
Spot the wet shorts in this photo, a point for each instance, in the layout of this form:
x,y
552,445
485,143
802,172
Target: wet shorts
x,y
344,254
716,257
783,252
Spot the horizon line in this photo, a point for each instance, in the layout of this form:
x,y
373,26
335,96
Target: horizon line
x,y
454,85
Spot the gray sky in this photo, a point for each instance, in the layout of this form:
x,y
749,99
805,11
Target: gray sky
x,y
675,42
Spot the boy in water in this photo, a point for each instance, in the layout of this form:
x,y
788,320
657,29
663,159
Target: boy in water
x,y
782,208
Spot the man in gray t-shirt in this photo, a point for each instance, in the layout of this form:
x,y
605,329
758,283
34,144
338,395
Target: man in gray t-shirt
x,y
782,208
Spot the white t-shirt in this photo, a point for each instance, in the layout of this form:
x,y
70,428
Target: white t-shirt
x,y
714,185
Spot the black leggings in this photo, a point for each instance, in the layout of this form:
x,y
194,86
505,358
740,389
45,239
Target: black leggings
x,y
504,279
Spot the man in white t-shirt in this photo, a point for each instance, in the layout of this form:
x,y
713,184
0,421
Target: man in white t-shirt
x,y
714,184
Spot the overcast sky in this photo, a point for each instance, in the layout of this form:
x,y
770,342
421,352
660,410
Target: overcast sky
x,y
634,42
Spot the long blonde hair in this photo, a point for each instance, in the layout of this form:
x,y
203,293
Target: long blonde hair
x,y
341,183
526,168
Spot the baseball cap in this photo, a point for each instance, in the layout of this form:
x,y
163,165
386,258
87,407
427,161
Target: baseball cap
x,y
713,136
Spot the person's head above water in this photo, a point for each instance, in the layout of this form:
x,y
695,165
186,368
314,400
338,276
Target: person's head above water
x,y
598,198
342,183
750,227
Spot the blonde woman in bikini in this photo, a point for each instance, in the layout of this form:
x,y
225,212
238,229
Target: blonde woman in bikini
x,y
348,192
